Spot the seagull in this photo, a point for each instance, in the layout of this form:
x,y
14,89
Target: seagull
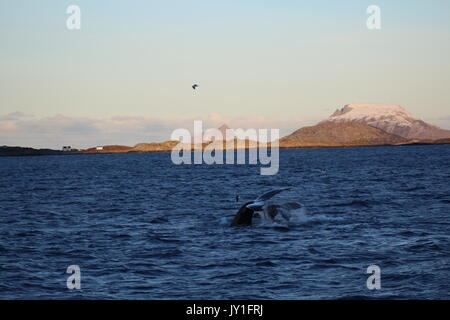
x,y
267,211
194,86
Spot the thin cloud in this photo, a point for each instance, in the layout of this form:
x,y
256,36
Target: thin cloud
x,y
81,132
17,115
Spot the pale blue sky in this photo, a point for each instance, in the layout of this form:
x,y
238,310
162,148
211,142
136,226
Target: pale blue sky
x,y
272,63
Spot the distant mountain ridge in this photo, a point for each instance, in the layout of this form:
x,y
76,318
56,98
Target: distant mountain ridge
x,y
391,118
358,124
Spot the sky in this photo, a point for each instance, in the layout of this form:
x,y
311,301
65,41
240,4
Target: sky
x,y
125,77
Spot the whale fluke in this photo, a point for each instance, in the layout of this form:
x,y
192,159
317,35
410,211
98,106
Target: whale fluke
x,y
245,214
270,194
273,210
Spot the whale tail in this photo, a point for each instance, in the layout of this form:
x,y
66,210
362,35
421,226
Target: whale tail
x,y
245,214
284,210
271,194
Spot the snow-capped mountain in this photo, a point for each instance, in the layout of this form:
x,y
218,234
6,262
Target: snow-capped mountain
x,y
391,118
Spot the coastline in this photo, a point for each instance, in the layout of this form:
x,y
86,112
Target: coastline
x,y
30,152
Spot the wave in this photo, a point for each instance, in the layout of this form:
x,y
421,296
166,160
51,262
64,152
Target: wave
x,y
355,203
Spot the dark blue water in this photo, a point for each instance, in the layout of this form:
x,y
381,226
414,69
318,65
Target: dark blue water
x,y
142,228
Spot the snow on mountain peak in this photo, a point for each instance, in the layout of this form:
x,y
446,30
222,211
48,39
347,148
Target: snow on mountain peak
x,y
373,112
391,118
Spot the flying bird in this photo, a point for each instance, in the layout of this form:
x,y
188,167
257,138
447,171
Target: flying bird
x,y
194,86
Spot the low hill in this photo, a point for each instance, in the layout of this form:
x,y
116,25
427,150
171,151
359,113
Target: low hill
x,y
154,146
329,134
20,151
442,141
109,149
